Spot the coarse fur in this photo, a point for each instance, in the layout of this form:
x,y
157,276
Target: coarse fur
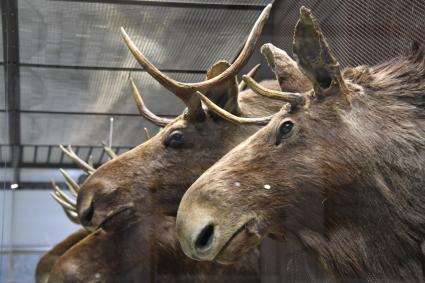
x,y
348,182
152,179
48,260
149,181
144,252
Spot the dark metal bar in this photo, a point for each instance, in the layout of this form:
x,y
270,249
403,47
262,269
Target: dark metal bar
x,y
49,153
90,151
101,157
9,17
77,149
34,160
175,4
61,158
74,145
96,68
86,113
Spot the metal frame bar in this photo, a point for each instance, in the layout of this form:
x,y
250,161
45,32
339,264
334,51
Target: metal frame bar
x,y
49,153
34,159
89,152
102,68
10,31
86,113
174,4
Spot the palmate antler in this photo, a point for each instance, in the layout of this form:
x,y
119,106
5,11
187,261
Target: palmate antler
x,y
187,91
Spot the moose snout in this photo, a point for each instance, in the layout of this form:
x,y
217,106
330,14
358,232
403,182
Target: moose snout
x,y
205,238
197,240
91,202
86,213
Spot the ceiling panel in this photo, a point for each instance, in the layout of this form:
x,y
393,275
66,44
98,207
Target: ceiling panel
x,y
87,34
71,90
50,129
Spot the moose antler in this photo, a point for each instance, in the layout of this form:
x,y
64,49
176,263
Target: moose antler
x,y
68,204
251,74
186,91
81,163
229,116
144,111
73,186
294,98
146,133
108,150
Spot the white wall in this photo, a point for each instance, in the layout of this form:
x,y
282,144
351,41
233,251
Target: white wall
x,y
32,219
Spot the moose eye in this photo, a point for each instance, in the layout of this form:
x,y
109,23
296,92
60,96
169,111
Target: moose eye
x,y
284,131
174,139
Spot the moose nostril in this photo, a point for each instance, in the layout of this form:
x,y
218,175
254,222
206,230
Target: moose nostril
x,y
86,215
204,239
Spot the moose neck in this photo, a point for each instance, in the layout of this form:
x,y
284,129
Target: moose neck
x,y
373,226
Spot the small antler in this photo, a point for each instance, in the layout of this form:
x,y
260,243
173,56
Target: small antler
x,y
73,186
147,134
81,163
62,199
251,74
295,99
63,196
108,150
144,111
68,205
229,116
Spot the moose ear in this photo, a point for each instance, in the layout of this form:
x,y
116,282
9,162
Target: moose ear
x,y
226,94
315,57
289,76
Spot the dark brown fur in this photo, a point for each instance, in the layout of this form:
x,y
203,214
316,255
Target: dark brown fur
x,y
47,261
348,183
129,255
153,178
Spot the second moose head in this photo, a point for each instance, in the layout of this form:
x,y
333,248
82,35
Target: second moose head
x,y
153,176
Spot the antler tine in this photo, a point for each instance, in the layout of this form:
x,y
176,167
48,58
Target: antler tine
x,y
109,152
295,99
182,89
62,195
147,134
63,203
251,74
230,117
144,111
65,198
81,163
73,186
72,215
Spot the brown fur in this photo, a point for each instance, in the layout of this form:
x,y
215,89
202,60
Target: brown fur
x,y
152,179
348,183
129,255
47,261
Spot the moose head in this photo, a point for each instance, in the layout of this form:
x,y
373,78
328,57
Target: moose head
x,y
152,177
340,169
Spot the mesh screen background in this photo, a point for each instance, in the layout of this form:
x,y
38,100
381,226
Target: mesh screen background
x,y
360,31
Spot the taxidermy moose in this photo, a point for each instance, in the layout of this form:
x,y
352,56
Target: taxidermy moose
x,y
341,169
